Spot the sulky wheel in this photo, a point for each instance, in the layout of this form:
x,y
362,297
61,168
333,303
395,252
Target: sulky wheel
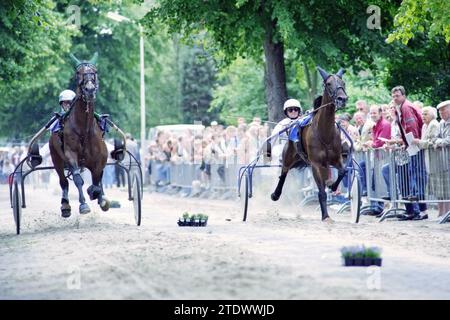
x,y
136,193
17,206
355,197
245,200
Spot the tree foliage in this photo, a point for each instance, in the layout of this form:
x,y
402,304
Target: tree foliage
x,y
329,33
421,16
333,33
32,34
422,67
184,84
34,41
36,64
239,91
199,72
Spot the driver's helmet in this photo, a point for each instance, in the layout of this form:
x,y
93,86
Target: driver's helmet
x,y
66,95
292,103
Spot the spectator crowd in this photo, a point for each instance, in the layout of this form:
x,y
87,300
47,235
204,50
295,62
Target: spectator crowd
x,y
397,125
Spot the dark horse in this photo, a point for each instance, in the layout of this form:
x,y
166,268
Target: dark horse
x,y
81,144
320,140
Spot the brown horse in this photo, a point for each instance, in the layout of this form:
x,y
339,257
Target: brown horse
x,y
320,141
81,144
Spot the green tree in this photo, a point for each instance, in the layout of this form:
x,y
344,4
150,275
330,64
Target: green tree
x,y
35,64
35,40
422,67
421,53
239,91
255,27
198,78
419,16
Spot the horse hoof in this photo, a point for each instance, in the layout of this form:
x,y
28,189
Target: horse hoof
x,y
274,197
65,213
328,220
94,192
84,208
104,205
333,188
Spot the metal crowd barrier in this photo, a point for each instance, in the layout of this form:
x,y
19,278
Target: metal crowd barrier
x,y
221,183
222,178
182,175
395,178
392,179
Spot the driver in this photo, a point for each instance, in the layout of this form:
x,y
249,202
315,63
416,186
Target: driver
x,y
292,110
65,100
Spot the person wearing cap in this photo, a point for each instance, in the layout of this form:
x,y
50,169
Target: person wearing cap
x,y
293,110
443,140
215,128
444,126
434,162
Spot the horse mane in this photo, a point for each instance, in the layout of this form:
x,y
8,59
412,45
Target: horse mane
x,y
317,102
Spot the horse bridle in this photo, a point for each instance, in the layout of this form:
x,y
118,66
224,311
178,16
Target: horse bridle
x,y
85,77
82,80
333,95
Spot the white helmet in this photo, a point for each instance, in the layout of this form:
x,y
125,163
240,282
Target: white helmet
x,y
292,103
66,95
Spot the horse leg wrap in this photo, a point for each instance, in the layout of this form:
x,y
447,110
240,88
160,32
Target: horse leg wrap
x,y
65,195
77,179
94,192
323,204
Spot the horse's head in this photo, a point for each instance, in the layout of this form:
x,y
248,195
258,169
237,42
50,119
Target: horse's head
x,y
334,87
87,80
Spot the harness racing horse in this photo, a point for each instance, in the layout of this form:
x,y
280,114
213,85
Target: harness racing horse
x,y
320,140
82,144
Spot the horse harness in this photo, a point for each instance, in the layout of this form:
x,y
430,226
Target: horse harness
x,y
91,75
333,96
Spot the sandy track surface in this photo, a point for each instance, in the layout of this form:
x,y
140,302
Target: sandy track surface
x,y
279,253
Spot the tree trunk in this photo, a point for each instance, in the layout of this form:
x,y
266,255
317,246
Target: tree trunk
x,y
311,80
274,75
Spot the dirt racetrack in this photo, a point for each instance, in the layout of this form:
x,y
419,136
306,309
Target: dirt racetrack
x,y
279,253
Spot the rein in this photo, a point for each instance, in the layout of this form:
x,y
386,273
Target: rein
x,y
333,96
322,106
